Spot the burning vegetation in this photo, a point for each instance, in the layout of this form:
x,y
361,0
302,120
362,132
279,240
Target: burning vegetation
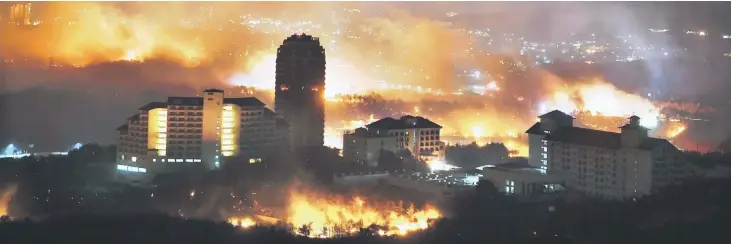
x,y
319,215
393,78
5,197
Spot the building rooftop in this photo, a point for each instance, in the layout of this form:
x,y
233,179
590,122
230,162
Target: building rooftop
x,y
363,132
213,90
197,101
134,117
556,114
123,127
589,137
301,38
154,105
405,122
244,101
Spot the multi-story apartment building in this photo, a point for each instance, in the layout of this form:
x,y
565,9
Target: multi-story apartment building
x,y
204,129
418,135
604,164
20,14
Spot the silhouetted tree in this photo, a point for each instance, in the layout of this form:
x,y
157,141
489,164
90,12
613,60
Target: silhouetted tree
x,y
487,189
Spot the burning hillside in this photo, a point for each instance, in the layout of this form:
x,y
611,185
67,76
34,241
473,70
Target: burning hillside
x,y
393,78
320,215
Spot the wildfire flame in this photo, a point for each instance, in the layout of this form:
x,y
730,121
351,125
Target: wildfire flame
x,y
242,222
319,215
327,215
85,33
5,198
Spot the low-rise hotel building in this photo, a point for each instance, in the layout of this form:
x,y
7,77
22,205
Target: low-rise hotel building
x,y
419,136
205,129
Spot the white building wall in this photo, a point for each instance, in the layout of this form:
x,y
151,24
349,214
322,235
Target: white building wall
x,y
535,143
420,141
367,150
603,172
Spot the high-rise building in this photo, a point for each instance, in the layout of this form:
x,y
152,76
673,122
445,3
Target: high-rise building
x,y
419,136
20,14
299,95
604,164
209,129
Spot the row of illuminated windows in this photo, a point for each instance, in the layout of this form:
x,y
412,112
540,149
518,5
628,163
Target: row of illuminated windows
x,y
178,160
131,168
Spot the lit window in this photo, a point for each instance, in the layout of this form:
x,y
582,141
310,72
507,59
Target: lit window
x,y
254,160
134,159
509,186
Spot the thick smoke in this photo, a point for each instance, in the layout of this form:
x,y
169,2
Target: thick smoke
x,y
128,54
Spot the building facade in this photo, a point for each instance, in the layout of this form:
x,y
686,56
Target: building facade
x,y
420,136
20,14
205,129
518,178
604,164
365,147
299,95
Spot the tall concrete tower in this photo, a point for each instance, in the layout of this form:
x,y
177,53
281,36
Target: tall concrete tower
x,y
299,95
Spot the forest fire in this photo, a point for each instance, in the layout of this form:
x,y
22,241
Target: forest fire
x,y
242,222
319,215
5,197
360,86
333,215
596,104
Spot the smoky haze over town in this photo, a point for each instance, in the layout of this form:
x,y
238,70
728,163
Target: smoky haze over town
x,y
342,120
